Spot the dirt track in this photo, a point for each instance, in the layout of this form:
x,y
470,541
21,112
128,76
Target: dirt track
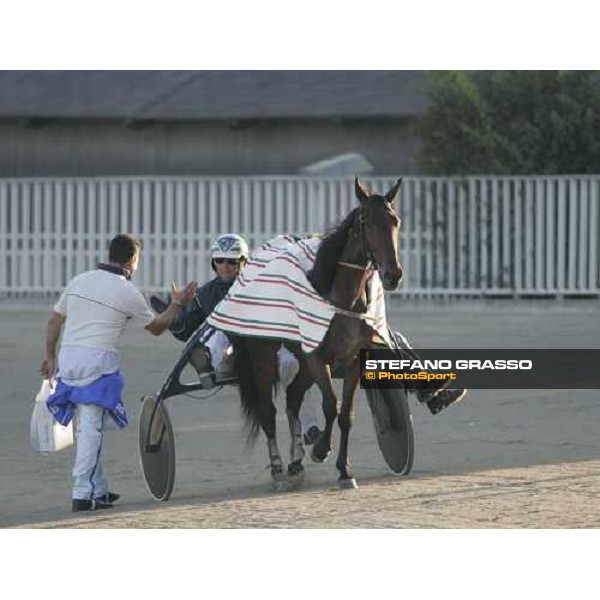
x,y
500,459
547,496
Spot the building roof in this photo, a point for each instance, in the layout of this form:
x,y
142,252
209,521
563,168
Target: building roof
x,y
166,95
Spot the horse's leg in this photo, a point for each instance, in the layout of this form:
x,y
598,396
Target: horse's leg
x,y
263,355
321,374
268,425
269,413
277,476
294,396
345,422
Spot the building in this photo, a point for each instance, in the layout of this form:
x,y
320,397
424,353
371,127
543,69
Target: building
x,y
115,123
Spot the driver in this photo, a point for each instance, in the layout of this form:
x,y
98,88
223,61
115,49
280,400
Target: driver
x,y
229,253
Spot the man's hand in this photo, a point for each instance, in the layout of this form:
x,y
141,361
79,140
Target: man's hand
x,y
47,368
180,297
185,294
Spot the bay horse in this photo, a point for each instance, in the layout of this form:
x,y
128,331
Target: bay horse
x,y
366,240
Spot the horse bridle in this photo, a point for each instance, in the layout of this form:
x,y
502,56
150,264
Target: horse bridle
x,y
372,264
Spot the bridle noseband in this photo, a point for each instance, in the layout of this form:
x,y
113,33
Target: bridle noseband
x,y
372,264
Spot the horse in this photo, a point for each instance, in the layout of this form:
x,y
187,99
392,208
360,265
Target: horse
x,y
365,241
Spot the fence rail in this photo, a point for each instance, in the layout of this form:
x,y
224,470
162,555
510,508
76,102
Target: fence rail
x,y
471,237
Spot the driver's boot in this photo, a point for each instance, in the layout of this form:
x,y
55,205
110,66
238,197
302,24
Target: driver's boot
x,y
437,395
200,360
444,399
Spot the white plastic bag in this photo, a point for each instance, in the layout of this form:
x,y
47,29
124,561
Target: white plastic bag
x,y
47,435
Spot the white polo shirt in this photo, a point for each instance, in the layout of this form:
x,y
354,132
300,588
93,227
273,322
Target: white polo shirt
x,y
98,305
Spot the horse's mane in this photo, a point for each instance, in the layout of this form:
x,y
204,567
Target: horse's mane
x,y
322,274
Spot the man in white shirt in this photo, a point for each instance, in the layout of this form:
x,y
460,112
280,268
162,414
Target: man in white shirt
x,y
95,307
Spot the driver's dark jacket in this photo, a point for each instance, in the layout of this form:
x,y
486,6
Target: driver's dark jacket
x,y
195,313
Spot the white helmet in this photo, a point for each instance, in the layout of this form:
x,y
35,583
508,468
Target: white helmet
x,y
229,245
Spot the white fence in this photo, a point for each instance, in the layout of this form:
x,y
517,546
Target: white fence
x,y
509,236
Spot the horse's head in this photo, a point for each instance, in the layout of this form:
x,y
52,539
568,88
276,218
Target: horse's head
x,y
379,227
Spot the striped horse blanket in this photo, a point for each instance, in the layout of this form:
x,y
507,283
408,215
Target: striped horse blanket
x,y
273,298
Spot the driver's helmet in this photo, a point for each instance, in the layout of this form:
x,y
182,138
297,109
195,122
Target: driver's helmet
x,y
229,245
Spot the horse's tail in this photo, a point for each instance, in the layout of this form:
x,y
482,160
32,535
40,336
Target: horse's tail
x,y
248,391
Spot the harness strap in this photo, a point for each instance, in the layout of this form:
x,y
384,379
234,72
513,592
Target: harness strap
x,y
348,313
353,266
354,315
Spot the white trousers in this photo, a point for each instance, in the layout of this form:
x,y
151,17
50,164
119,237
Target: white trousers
x,y
88,478
218,343
288,369
310,408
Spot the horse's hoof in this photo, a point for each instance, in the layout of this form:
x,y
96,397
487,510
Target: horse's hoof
x,y
294,482
278,482
278,486
317,457
295,468
348,484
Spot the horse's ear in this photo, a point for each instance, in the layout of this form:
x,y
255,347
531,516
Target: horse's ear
x,y
360,191
389,197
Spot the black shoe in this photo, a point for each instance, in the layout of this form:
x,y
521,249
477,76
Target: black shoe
x,y
312,436
78,505
158,305
200,360
109,497
444,399
428,390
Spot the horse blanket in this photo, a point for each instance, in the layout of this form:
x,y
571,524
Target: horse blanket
x,y
273,298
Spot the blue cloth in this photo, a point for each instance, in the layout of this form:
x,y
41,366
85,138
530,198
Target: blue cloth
x,y
105,392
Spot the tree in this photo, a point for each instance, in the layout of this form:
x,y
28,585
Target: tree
x,y
512,122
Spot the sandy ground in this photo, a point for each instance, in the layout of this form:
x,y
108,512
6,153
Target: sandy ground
x,y
502,458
